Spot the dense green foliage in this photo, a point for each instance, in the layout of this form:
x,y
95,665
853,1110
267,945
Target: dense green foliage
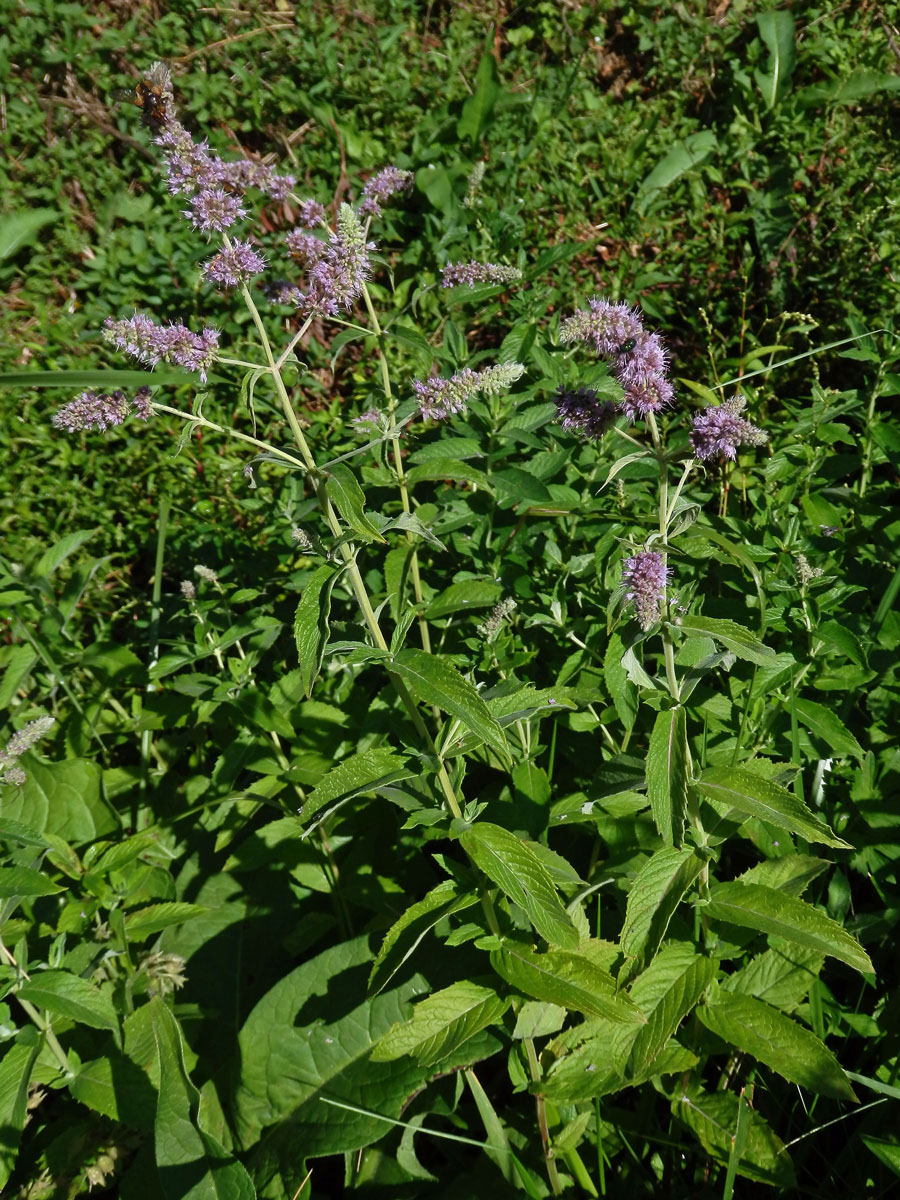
x,y
336,854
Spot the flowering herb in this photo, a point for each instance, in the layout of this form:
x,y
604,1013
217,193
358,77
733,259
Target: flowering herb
x,y
472,273
719,431
582,411
439,398
645,576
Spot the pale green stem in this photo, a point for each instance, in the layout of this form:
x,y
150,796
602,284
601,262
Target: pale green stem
x,y
398,467
550,1162
283,357
353,571
668,645
243,437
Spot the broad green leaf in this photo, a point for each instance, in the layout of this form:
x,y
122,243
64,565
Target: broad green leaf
x,y
15,831
885,1151
734,637
656,892
62,798
513,485
448,447
516,869
737,789
405,935
667,774
441,1023
118,1088
23,881
357,774
795,1053
714,1118
792,872
18,666
480,104
468,594
447,468
436,681
57,554
665,993
16,1066
685,155
768,910
142,922
777,32
192,1165
826,725
537,1019
308,1041
620,687
349,499
781,977
568,979
311,623
69,995
18,230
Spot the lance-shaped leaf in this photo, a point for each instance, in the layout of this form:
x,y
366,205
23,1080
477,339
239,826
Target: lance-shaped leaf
x,y
828,726
667,774
463,596
71,996
738,789
656,892
665,993
143,922
714,1119
23,881
404,935
734,637
16,1066
354,775
349,499
441,1023
516,869
771,910
311,623
568,979
436,681
774,1039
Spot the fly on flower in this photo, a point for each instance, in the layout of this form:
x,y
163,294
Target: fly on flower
x,y
150,95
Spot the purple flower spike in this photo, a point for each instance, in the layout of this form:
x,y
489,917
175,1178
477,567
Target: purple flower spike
x,y
234,265
602,325
152,344
97,410
720,430
341,269
582,412
439,398
472,273
311,214
381,187
214,210
645,576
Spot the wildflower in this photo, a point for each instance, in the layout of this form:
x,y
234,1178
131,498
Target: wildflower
x,y
602,325
471,273
473,184
14,776
368,418
438,398
18,744
190,166
165,971
721,429
805,571
234,265
150,343
246,173
489,628
206,573
381,187
305,247
213,210
338,275
311,214
142,407
93,410
302,538
582,412
645,575
188,590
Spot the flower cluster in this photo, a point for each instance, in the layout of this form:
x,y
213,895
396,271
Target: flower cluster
x,y
337,271
381,187
438,398
192,168
471,273
206,573
489,628
645,576
26,737
311,214
151,343
234,265
720,429
99,410
638,359
583,412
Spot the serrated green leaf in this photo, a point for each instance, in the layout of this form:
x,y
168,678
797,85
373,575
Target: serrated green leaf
x,y
826,725
436,681
519,873
667,774
311,623
795,1053
356,774
462,596
64,799
23,881
142,922
191,1164
885,1151
735,788
665,993
15,831
566,978
768,910
441,1023
447,468
656,892
70,996
19,663
118,1088
349,499
734,637
620,687
15,1076
714,1118
781,977
405,935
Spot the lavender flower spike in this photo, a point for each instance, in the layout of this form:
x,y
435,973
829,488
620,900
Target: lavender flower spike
x,y
234,265
381,187
214,210
602,325
582,412
645,576
472,273
337,277
721,429
438,398
152,344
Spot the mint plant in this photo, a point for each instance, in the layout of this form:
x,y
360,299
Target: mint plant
x,y
517,887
